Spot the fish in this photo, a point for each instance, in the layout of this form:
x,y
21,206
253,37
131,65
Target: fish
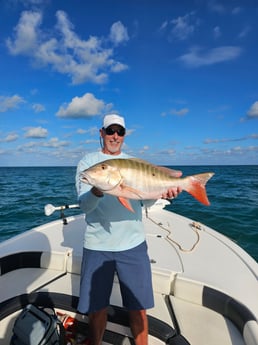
x,y
133,178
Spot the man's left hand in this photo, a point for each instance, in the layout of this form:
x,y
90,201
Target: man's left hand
x,y
172,193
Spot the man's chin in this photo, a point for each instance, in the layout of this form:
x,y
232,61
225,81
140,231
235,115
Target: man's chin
x,y
114,148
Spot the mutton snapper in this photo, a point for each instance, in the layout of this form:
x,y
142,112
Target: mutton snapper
x,y
134,178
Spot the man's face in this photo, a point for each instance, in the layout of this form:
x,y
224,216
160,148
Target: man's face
x,y
113,139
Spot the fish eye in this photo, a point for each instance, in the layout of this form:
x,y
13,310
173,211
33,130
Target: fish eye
x,y
103,167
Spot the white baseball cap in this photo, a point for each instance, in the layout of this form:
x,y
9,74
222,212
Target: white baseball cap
x,y
113,119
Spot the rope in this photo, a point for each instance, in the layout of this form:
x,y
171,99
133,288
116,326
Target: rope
x,y
196,227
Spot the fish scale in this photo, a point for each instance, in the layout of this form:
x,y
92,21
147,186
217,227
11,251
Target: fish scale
x,y
140,174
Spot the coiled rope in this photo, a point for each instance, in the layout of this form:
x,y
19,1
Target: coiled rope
x,y
195,226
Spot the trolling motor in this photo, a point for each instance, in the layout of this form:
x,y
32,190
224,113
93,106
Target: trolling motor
x,y
50,209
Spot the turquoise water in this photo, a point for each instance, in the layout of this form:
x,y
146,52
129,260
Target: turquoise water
x,y
233,193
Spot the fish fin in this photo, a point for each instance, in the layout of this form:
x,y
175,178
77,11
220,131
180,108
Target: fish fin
x,y
170,172
196,187
126,203
131,190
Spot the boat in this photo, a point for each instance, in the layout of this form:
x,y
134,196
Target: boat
x,y
205,285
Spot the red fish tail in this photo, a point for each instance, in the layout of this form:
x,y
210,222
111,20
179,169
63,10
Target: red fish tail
x,y
196,187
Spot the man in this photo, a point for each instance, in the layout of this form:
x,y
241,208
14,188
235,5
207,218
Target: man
x,y
114,242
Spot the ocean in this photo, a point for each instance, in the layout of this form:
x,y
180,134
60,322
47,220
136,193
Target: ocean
x,y
232,191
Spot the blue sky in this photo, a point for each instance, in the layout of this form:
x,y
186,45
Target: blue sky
x,y
182,73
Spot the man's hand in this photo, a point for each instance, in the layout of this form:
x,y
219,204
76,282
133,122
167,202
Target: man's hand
x,y
96,192
172,193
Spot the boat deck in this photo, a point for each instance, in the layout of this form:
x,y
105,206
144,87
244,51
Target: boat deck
x,y
204,294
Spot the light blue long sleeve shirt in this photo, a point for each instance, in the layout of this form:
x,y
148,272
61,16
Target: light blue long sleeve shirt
x,y
110,226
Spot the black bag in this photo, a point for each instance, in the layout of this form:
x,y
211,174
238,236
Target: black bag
x,y
35,326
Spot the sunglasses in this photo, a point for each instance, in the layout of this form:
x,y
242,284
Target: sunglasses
x,y
111,131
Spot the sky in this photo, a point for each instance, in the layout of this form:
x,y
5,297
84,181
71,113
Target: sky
x,y
183,73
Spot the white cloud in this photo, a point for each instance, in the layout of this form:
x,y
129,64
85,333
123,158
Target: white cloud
x,y
91,131
28,145
168,152
215,6
227,140
118,67
38,108
82,107
82,60
216,32
118,33
198,57
51,143
144,149
244,32
34,92
55,143
180,112
7,103
91,141
253,111
236,10
26,35
10,137
36,132
163,26
182,27
81,131
32,2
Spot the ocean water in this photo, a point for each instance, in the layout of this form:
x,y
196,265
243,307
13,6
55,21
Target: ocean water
x,y
232,191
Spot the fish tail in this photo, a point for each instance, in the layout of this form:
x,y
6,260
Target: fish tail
x,y
196,187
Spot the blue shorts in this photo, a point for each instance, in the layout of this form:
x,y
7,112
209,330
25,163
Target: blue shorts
x,y
97,275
